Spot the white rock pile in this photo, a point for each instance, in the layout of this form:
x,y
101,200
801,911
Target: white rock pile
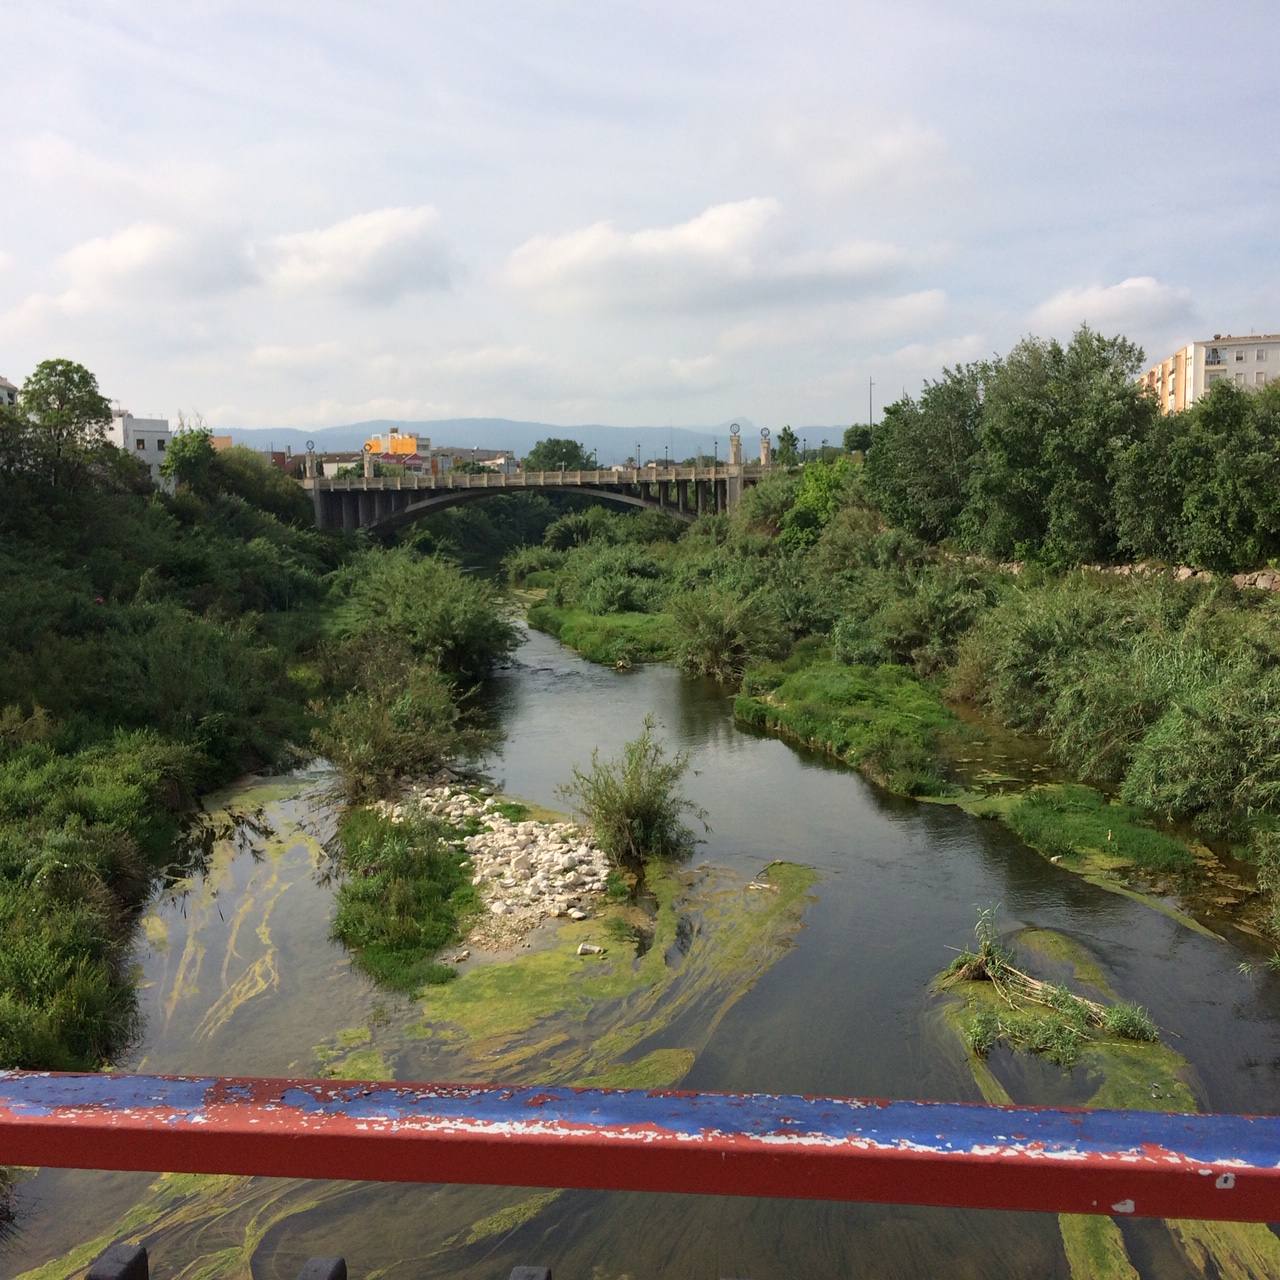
x,y
525,871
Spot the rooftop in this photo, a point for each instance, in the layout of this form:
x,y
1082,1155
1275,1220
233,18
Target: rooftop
x,y
6,384
1242,337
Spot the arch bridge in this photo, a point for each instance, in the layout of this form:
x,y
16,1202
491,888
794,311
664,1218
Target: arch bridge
x,y
382,502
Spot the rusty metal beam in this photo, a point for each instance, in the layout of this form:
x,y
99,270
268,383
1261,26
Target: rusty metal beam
x,y
1148,1164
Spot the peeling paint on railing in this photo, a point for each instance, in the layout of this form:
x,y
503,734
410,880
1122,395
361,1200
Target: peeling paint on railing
x,y
1149,1164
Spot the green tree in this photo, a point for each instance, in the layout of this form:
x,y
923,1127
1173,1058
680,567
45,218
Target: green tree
x,y
788,451
1053,420
857,438
922,452
189,459
68,412
554,453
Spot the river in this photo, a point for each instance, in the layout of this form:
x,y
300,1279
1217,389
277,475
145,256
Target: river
x,y
238,975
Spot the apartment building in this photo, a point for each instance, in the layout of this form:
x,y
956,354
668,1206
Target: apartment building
x,y
8,392
143,438
1248,360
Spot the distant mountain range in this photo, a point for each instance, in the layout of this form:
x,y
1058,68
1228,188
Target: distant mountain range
x,y
612,444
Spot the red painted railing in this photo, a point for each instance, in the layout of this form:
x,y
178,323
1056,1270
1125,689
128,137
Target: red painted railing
x,y
1149,1164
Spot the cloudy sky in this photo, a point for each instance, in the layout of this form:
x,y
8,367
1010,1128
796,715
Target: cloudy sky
x,y
282,213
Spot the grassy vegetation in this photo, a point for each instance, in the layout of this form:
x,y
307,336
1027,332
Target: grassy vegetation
x,y
609,638
405,893
153,647
634,804
880,719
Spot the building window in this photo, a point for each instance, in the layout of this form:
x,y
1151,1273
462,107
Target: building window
x,y
159,446
1260,379
1239,379
1240,356
142,444
1262,354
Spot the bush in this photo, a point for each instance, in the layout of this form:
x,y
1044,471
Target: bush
x,y
719,634
409,725
398,605
520,563
634,804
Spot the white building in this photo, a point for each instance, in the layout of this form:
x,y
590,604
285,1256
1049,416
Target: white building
x,y
145,439
8,392
1248,360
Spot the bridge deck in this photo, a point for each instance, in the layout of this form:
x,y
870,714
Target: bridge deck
x,y
1147,1164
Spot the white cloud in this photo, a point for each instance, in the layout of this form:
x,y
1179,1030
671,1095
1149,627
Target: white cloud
x,y
729,254
1135,304
6,260
373,257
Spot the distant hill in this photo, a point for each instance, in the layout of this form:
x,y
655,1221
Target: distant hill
x,y
612,444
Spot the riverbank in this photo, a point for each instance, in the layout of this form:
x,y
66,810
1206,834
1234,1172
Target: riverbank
x,y
861,644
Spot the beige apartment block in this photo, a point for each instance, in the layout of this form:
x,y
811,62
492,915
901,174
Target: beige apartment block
x,y
1249,360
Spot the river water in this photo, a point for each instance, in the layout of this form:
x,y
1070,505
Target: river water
x,y
239,977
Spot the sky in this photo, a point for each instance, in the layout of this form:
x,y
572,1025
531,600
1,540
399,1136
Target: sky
x,y
286,214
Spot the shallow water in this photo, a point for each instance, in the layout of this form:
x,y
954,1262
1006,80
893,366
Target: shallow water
x,y
240,977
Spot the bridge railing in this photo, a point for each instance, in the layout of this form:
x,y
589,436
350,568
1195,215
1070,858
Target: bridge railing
x,y
1119,1163
600,478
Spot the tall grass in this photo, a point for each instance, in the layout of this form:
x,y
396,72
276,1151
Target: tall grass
x,y
634,803
405,892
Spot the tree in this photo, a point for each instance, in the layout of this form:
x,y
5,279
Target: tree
x,y
1053,421
788,450
189,459
554,453
922,452
857,438
68,413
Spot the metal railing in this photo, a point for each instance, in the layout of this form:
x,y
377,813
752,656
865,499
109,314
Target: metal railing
x,y
1120,1163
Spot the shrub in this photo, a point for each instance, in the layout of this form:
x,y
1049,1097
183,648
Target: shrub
x,y
408,726
718,634
399,605
634,803
520,563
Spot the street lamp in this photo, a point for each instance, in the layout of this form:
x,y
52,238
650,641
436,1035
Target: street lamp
x,y
666,462
715,454
822,457
637,455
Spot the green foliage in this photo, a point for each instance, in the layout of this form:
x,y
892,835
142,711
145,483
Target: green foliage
x,y
880,719
1130,1022
397,605
554,453
719,633
189,459
526,560
922,454
634,804
70,416
1052,418
821,492
1064,820
402,720
404,893
245,473
857,438
617,639
787,450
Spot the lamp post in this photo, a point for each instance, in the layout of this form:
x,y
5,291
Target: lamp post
x,y
666,462
715,454
822,457
637,455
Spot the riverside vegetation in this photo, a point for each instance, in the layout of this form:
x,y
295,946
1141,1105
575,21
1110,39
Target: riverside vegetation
x,y
152,647
853,607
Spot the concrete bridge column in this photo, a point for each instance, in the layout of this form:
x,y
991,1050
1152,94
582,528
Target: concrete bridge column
x,y
366,509
732,491
700,495
347,502
682,496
